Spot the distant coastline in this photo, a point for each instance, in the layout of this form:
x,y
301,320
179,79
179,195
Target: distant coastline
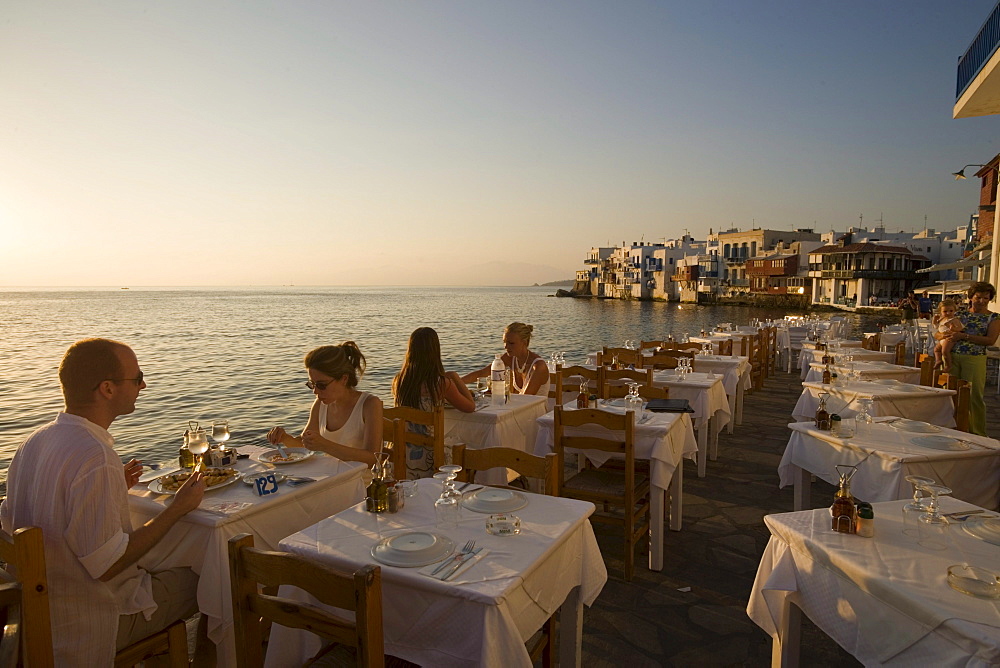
x,y
555,284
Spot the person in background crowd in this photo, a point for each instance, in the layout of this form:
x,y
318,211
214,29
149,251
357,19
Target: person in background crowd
x,y
908,308
968,357
924,304
67,479
343,421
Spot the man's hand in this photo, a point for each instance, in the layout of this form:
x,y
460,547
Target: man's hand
x,y
190,494
133,469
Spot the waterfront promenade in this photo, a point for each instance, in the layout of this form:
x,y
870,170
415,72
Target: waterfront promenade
x,y
649,622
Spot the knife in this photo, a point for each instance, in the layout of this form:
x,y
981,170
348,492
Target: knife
x,y
458,564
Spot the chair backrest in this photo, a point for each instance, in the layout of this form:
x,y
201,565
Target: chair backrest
x,y
726,347
530,466
694,347
25,553
963,402
900,353
433,421
10,611
871,341
643,345
623,355
665,359
622,376
926,370
571,377
613,443
360,592
394,431
645,391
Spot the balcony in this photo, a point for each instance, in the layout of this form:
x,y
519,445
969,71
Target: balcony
x,y
863,273
591,260
977,86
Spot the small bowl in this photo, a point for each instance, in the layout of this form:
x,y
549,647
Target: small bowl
x,y
974,581
503,524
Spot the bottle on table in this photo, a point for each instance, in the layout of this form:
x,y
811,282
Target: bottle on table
x,y
377,499
827,375
185,457
822,415
844,510
498,385
865,526
583,398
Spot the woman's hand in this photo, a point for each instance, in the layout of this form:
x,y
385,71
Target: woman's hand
x,y
311,439
276,435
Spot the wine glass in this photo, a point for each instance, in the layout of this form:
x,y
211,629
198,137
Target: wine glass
x,y
863,420
220,431
633,402
446,507
912,510
198,444
932,525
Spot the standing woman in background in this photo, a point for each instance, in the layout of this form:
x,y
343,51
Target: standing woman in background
x,y
423,384
343,421
529,372
968,357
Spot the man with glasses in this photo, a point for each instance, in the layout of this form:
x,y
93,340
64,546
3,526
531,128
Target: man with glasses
x,y
67,479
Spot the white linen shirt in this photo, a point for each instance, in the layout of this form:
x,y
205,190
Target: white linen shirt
x,y
67,479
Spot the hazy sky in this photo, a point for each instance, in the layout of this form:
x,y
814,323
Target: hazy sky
x,y
266,143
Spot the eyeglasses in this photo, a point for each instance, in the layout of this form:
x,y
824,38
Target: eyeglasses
x,y
318,385
137,380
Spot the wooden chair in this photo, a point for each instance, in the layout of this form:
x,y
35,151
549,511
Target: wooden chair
x,y
644,345
529,466
360,592
771,343
796,335
622,376
693,347
961,399
433,421
10,610
24,552
623,355
665,359
171,640
750,349
726,347
871,342
394,431
645,391
927,370
594,378
900,353
603,487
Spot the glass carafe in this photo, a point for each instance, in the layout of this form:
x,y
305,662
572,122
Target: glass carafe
x,y
843,509
822,414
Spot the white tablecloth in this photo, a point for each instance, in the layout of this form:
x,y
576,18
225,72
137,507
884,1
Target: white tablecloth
x,y
200,539
884,459
929,404
706,395
485,617
510,426
808,357
844,343
664,440
869,370
884,599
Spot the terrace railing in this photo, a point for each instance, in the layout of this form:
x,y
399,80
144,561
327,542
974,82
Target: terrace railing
x,y
979,52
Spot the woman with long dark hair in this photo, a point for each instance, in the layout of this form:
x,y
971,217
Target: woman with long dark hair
x,y
423,384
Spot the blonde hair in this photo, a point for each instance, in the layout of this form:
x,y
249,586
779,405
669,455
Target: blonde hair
x,y
338,361
520,330
946,303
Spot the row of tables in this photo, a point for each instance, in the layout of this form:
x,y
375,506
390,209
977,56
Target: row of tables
x,y
883,599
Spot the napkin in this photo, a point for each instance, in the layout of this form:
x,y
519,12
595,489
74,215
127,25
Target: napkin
x,y
445,572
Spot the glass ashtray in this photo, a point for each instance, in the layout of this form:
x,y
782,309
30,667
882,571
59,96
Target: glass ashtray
x,y
974,581
503,524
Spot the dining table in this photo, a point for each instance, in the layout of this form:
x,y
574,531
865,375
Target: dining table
x,y
662,439
707,397
483,615
510,425
891,398
867,371
888,451
199,539
809,357
885,599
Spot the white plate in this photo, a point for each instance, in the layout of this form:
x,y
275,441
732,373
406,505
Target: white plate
x,y
156,487
619,402
495,500
299,454
886,381
412,549
915,426
984,528
251,478
939,443
153,474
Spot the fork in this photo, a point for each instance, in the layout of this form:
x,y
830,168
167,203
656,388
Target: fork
x,y
466,549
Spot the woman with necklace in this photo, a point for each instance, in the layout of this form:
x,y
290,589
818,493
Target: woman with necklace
x,y
968,357
529,373
343,421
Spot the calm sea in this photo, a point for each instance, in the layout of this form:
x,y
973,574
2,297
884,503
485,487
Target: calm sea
x,y
237,353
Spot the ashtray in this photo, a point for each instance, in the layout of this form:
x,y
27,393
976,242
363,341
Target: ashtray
x,y
503,525
974,581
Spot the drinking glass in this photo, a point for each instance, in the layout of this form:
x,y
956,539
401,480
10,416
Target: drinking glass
x,y
633,402
912,510
220,431
446,507
932,526
863,420
198,444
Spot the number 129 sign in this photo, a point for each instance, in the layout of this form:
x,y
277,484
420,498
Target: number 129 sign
x,y
266,485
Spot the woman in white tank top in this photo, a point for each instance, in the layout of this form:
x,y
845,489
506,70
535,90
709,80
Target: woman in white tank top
x,y
529,372
343,421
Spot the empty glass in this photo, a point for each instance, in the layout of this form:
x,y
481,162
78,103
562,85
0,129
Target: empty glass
x,y
912,510
447,507
633,402
863,420
932,526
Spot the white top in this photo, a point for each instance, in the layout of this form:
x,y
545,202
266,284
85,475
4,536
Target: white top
x,y
68,480
543,389
352,434
947,326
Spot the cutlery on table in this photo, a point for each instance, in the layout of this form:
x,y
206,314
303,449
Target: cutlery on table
x,y
466,549
963,513
298,480
458,563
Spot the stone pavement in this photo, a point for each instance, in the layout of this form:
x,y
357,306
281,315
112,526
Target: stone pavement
x,y
649,622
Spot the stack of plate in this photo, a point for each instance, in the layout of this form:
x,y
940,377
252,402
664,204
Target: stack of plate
x,y
984,528
492,500
412,549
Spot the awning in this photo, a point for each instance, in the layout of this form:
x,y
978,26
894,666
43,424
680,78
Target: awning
x,y
965,262
947,287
